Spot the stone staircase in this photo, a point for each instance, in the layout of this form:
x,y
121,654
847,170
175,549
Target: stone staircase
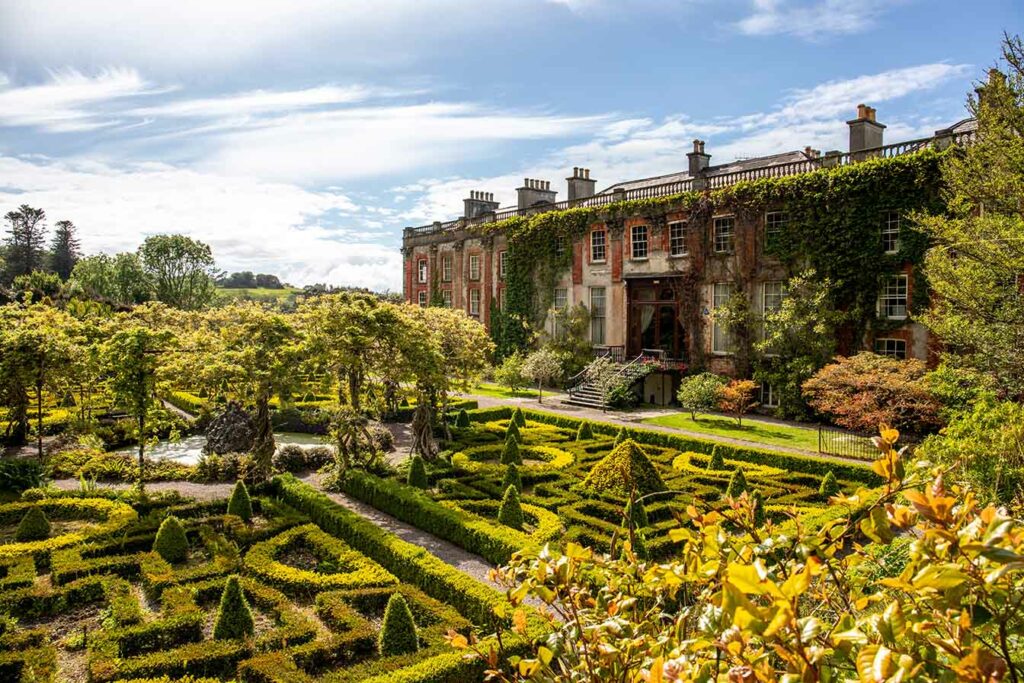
x,y
587,388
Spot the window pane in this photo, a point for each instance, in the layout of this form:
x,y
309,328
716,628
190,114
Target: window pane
x,y
677,239
597,245
724,228
891,232
894,297
597,315
474,267
720,338
638,234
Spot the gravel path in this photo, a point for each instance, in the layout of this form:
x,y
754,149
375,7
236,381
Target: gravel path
x,y
188,489
464,561
636,419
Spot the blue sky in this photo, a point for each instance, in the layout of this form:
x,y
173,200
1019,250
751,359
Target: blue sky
x,y
299,137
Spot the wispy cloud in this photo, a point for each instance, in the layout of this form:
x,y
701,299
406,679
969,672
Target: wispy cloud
x,y
69,100
811,18
266,101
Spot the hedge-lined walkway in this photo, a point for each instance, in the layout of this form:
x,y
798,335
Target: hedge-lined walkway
x,y
634,420
449,553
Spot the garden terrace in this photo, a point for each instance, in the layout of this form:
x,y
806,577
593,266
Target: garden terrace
x,y
93,601
461,503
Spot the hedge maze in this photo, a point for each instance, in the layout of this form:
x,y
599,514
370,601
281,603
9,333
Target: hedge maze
x,y
299,593
562,460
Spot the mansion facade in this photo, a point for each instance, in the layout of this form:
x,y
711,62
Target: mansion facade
x,y
627,270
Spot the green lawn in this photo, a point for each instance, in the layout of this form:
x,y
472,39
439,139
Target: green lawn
x,y
257,293
498,391
761,432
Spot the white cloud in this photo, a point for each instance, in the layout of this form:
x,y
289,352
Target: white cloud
x,y
263,101
363,142
251,224
67,101
220,34
811,19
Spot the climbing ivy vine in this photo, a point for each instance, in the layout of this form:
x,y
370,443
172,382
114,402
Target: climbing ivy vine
x,y
834,226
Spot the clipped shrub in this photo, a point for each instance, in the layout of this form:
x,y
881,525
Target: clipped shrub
x,y
513,431
240,504
829,486
512,478
234,617
636,514
518,417
757,498
381,437
318,456
510,454
170,542
737,484
584,433
625,468
620,437
290,458
417,473
511,512
398,632
717,462
34,526
462,419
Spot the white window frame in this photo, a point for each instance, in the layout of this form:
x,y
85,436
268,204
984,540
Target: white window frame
x,y
769,397
891,347
723,242
639,240
677,245
474,267
422,270
895,289
446,297
721,340
446,268
891,232
560,293
774,224
594,246
780,295
421,298
474,302
598,316
502,258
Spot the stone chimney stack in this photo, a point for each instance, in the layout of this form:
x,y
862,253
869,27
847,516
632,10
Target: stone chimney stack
x,y
535,192
865,132
478,204
580,186
698,159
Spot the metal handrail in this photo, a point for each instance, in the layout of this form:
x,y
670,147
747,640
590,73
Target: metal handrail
x,y
710,182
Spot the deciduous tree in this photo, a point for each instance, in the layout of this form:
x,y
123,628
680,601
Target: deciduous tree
x,y
181,269
867,389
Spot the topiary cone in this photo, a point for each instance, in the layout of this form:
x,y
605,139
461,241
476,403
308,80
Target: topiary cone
x,y
584,433
398,631
234,617
757,499
417,473
171,543
34,526
511,511
512,478
518,417
462,419
717,462
624,469
510,454
737,484
829,486
240,504
513,431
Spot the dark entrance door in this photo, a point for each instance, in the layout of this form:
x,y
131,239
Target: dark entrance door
x,y
654,318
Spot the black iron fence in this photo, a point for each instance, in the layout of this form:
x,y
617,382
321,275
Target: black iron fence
x,y
832,441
